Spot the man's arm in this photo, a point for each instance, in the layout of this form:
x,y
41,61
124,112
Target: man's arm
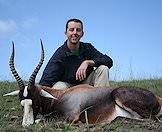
x,y
51,74
99,58
53,70
81,72
96,59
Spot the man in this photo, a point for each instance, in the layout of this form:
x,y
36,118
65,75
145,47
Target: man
x,y
73,63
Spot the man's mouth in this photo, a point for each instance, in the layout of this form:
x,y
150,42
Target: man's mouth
x,y
74,38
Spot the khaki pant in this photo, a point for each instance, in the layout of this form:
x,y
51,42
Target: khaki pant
x,y
98,78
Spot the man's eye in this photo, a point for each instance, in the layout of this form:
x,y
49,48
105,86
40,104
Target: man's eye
x,y
71,29
78,30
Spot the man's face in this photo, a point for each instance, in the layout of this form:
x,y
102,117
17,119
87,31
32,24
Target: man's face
x,y
74,32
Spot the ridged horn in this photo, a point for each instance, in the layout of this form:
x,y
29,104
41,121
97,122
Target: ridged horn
x,y
34,74
13,70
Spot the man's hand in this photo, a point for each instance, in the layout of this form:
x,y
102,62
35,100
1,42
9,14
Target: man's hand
x,y
81,72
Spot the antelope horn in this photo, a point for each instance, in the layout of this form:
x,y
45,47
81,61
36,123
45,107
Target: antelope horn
x,y
33,76
13,70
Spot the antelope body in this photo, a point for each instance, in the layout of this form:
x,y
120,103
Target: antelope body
x,y
101,104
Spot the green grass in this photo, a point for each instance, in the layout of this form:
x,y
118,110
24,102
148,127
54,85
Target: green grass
x,y
11,113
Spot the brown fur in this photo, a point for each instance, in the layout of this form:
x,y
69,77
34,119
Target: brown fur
x,y
98,102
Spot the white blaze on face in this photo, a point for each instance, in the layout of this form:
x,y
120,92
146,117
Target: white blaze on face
x,y
25,93
28,117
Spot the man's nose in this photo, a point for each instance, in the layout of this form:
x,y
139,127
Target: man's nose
x,y
75,31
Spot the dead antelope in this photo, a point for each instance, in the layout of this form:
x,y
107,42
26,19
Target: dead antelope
x,y
100,104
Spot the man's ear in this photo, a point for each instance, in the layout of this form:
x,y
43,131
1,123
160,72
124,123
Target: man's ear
x,y
65,32
82,33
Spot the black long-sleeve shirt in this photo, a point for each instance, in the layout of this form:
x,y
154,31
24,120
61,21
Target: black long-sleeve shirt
x,y
63,64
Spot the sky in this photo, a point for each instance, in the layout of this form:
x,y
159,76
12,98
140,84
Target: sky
x,y
129,31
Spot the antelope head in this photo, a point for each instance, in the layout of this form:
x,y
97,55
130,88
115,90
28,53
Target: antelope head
x,y
29,94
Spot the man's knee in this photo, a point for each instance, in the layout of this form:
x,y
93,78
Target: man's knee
x,y
61,85
102,76
102,68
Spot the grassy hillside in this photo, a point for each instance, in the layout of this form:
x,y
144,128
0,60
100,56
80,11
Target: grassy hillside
x,y
11,113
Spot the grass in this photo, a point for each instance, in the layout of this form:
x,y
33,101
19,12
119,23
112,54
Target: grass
x,y
11,113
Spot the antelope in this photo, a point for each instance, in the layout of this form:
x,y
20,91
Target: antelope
x,y
102,104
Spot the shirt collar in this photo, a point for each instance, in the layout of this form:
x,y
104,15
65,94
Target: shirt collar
x,y
70,53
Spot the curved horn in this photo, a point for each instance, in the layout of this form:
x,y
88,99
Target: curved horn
x,y
13,70
33,76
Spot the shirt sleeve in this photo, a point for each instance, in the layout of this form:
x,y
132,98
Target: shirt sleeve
x,y
53,70
99,58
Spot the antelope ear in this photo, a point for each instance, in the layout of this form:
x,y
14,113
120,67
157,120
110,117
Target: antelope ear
x,y
46,94
12,93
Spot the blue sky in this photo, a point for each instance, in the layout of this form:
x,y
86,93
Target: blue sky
x,y
129,31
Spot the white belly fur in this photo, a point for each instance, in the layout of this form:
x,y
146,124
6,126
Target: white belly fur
x,y
120,112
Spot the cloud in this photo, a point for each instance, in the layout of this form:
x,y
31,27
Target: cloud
x,y
17,28
7,27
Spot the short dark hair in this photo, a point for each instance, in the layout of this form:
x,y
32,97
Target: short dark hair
x,y
73,20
